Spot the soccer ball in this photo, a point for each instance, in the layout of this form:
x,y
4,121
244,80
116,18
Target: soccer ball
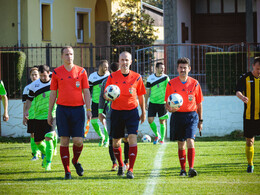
x,y
112,92
146,138
175,100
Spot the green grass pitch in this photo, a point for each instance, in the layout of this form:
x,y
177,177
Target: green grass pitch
x,y
221,167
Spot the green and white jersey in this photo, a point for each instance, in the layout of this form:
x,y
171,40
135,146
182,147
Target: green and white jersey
x,y
95,83
2,88
158,88
25,97
40,93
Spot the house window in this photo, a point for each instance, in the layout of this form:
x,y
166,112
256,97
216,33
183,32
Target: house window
x,y
82,24
201,7
46,19
229,6
46,23
215,6
80,30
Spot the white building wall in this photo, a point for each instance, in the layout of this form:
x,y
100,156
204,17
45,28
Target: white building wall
x,y
221,114
184,15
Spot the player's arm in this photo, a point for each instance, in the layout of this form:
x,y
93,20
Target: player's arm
x,y
5,104
28,104
142,106
52,100
240,88
107,83
147,95
87,99
242,97
200,111
102,102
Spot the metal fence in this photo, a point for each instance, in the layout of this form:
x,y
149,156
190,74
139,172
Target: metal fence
x,y
216,66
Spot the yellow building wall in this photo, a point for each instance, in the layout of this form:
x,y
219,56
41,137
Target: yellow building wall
x,y
63,32
8,22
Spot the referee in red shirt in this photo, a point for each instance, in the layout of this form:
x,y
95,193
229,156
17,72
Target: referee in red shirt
x,y
70,82
124,112
186,119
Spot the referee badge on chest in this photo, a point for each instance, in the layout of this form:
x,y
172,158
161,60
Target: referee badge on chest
x,y
130,90
190,97
77,84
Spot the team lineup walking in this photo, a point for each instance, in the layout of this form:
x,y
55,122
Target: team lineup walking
x,y
47,104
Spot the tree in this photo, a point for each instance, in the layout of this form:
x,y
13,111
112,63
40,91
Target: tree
x,y
156,3
130,25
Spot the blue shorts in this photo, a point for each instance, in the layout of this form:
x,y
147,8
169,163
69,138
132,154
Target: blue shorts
x,y
183,125
121,119
70,121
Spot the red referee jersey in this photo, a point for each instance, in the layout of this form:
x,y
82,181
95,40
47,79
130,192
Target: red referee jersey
x,y
130,86
190,92
69,85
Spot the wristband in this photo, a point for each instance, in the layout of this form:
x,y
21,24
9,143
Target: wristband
x,y
201,120
89,109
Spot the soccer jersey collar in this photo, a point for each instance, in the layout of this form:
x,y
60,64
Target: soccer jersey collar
x,y
68,70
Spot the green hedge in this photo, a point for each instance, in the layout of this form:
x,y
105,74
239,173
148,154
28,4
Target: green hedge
x,y
13,72
223,70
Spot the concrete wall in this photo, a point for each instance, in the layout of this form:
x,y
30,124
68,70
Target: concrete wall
x,y
222,115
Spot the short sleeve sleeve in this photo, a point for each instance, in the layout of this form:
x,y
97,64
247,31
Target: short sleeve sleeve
x,y
54,81
140,87
85,83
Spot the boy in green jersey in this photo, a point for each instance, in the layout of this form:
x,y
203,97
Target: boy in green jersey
x,y
39,92
156,84
4,100
95,83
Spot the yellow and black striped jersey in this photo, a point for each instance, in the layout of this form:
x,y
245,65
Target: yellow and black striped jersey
x,y
250,87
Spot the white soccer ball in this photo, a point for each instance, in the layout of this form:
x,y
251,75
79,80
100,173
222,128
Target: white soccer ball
x,y
175,100
112,92
146,138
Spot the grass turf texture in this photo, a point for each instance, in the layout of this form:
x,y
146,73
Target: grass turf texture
x,y
221,167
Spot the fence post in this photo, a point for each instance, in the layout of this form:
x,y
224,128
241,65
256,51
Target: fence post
x,y
91,56
48,56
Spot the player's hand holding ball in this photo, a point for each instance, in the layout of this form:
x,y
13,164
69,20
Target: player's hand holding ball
x,y
112,92
174,102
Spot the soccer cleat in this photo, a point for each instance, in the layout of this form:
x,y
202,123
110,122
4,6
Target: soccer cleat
x,y
120,171
101,141
43,161
155,140
114,167
106,144
126,166
79,169
130,175
34,158
183,173
161,142
48,167
250,169
192,172
67,176
38,154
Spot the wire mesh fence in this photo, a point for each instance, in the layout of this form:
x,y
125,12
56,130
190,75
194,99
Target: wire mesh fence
x,y
216,66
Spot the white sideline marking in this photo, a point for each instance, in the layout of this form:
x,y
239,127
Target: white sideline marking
x,y
152,181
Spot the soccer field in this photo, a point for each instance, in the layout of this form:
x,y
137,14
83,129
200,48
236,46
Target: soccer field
x,y
221,167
